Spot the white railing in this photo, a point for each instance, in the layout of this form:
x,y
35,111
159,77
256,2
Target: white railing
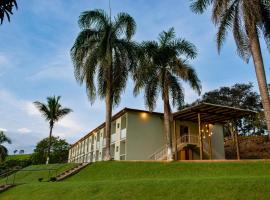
x,y
113,138
123,134
161,153
97,145
188,139
104,142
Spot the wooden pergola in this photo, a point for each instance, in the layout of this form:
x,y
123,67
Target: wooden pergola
x,y
212,114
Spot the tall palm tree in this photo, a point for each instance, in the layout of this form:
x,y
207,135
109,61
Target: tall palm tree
x,y
104,49
162,66
52,111
246,19
6,7
3,149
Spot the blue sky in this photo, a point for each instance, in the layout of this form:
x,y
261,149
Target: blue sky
x,y
35,62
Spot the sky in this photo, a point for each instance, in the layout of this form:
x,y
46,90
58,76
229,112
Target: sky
x,y
35,63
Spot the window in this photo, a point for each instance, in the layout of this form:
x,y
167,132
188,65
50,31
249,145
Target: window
x,y
118,125
117,148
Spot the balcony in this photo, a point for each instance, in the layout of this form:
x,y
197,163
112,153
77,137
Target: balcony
x,y
123,134
187,140
113,138
97,145
104,142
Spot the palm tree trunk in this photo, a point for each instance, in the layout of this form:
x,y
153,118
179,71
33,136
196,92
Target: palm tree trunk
x,y
49,148
108,117
167,124
260,74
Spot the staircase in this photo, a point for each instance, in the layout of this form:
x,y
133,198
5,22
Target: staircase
x,y
161,154
6,187
71,171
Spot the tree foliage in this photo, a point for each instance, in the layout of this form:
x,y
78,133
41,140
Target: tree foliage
x,y
165,64
58,154
3,149
240,96
104,50
52,112
243,17
162,67
6,9
247,20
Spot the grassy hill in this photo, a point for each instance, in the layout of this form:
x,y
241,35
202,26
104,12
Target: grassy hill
x,y
140,180
32,173
18,157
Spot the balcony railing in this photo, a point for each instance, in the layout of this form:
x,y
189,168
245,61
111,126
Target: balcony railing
x,y
188,139
161,153
123,134
97,145
113,138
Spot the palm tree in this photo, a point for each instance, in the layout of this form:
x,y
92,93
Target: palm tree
x,y
52,112
246,19
161,66
3,149
6,7
104,49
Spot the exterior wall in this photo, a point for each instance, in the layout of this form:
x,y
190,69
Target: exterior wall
x,y
217,140
218,151
144,135
137,135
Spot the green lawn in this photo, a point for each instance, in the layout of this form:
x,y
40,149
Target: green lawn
x,y
139,180
32,173
18,157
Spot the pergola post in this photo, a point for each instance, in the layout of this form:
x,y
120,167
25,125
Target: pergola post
x,y
175,138
237,143
210,145
200,136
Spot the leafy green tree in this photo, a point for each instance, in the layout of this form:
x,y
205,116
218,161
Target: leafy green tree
x,y
52,112
239,96
58,147
247,19
162,66
3,149
6,8
104,49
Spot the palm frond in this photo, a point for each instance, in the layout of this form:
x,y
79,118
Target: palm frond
x,y
151,93
240,37
226,22
187,74
93,19
4,138
199,6
52,110
176,90
6,9
124,24
186,48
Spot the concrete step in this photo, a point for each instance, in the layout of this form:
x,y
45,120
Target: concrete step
x,y
6,187
71,171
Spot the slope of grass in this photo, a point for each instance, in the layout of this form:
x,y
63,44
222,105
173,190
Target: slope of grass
x,y
139,180
32,173
18,157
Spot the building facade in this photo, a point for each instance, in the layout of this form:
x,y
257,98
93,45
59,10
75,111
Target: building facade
x,y
138,135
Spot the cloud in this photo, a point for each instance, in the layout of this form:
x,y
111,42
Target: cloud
x,y
3,129
24,130
30,108
59,68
